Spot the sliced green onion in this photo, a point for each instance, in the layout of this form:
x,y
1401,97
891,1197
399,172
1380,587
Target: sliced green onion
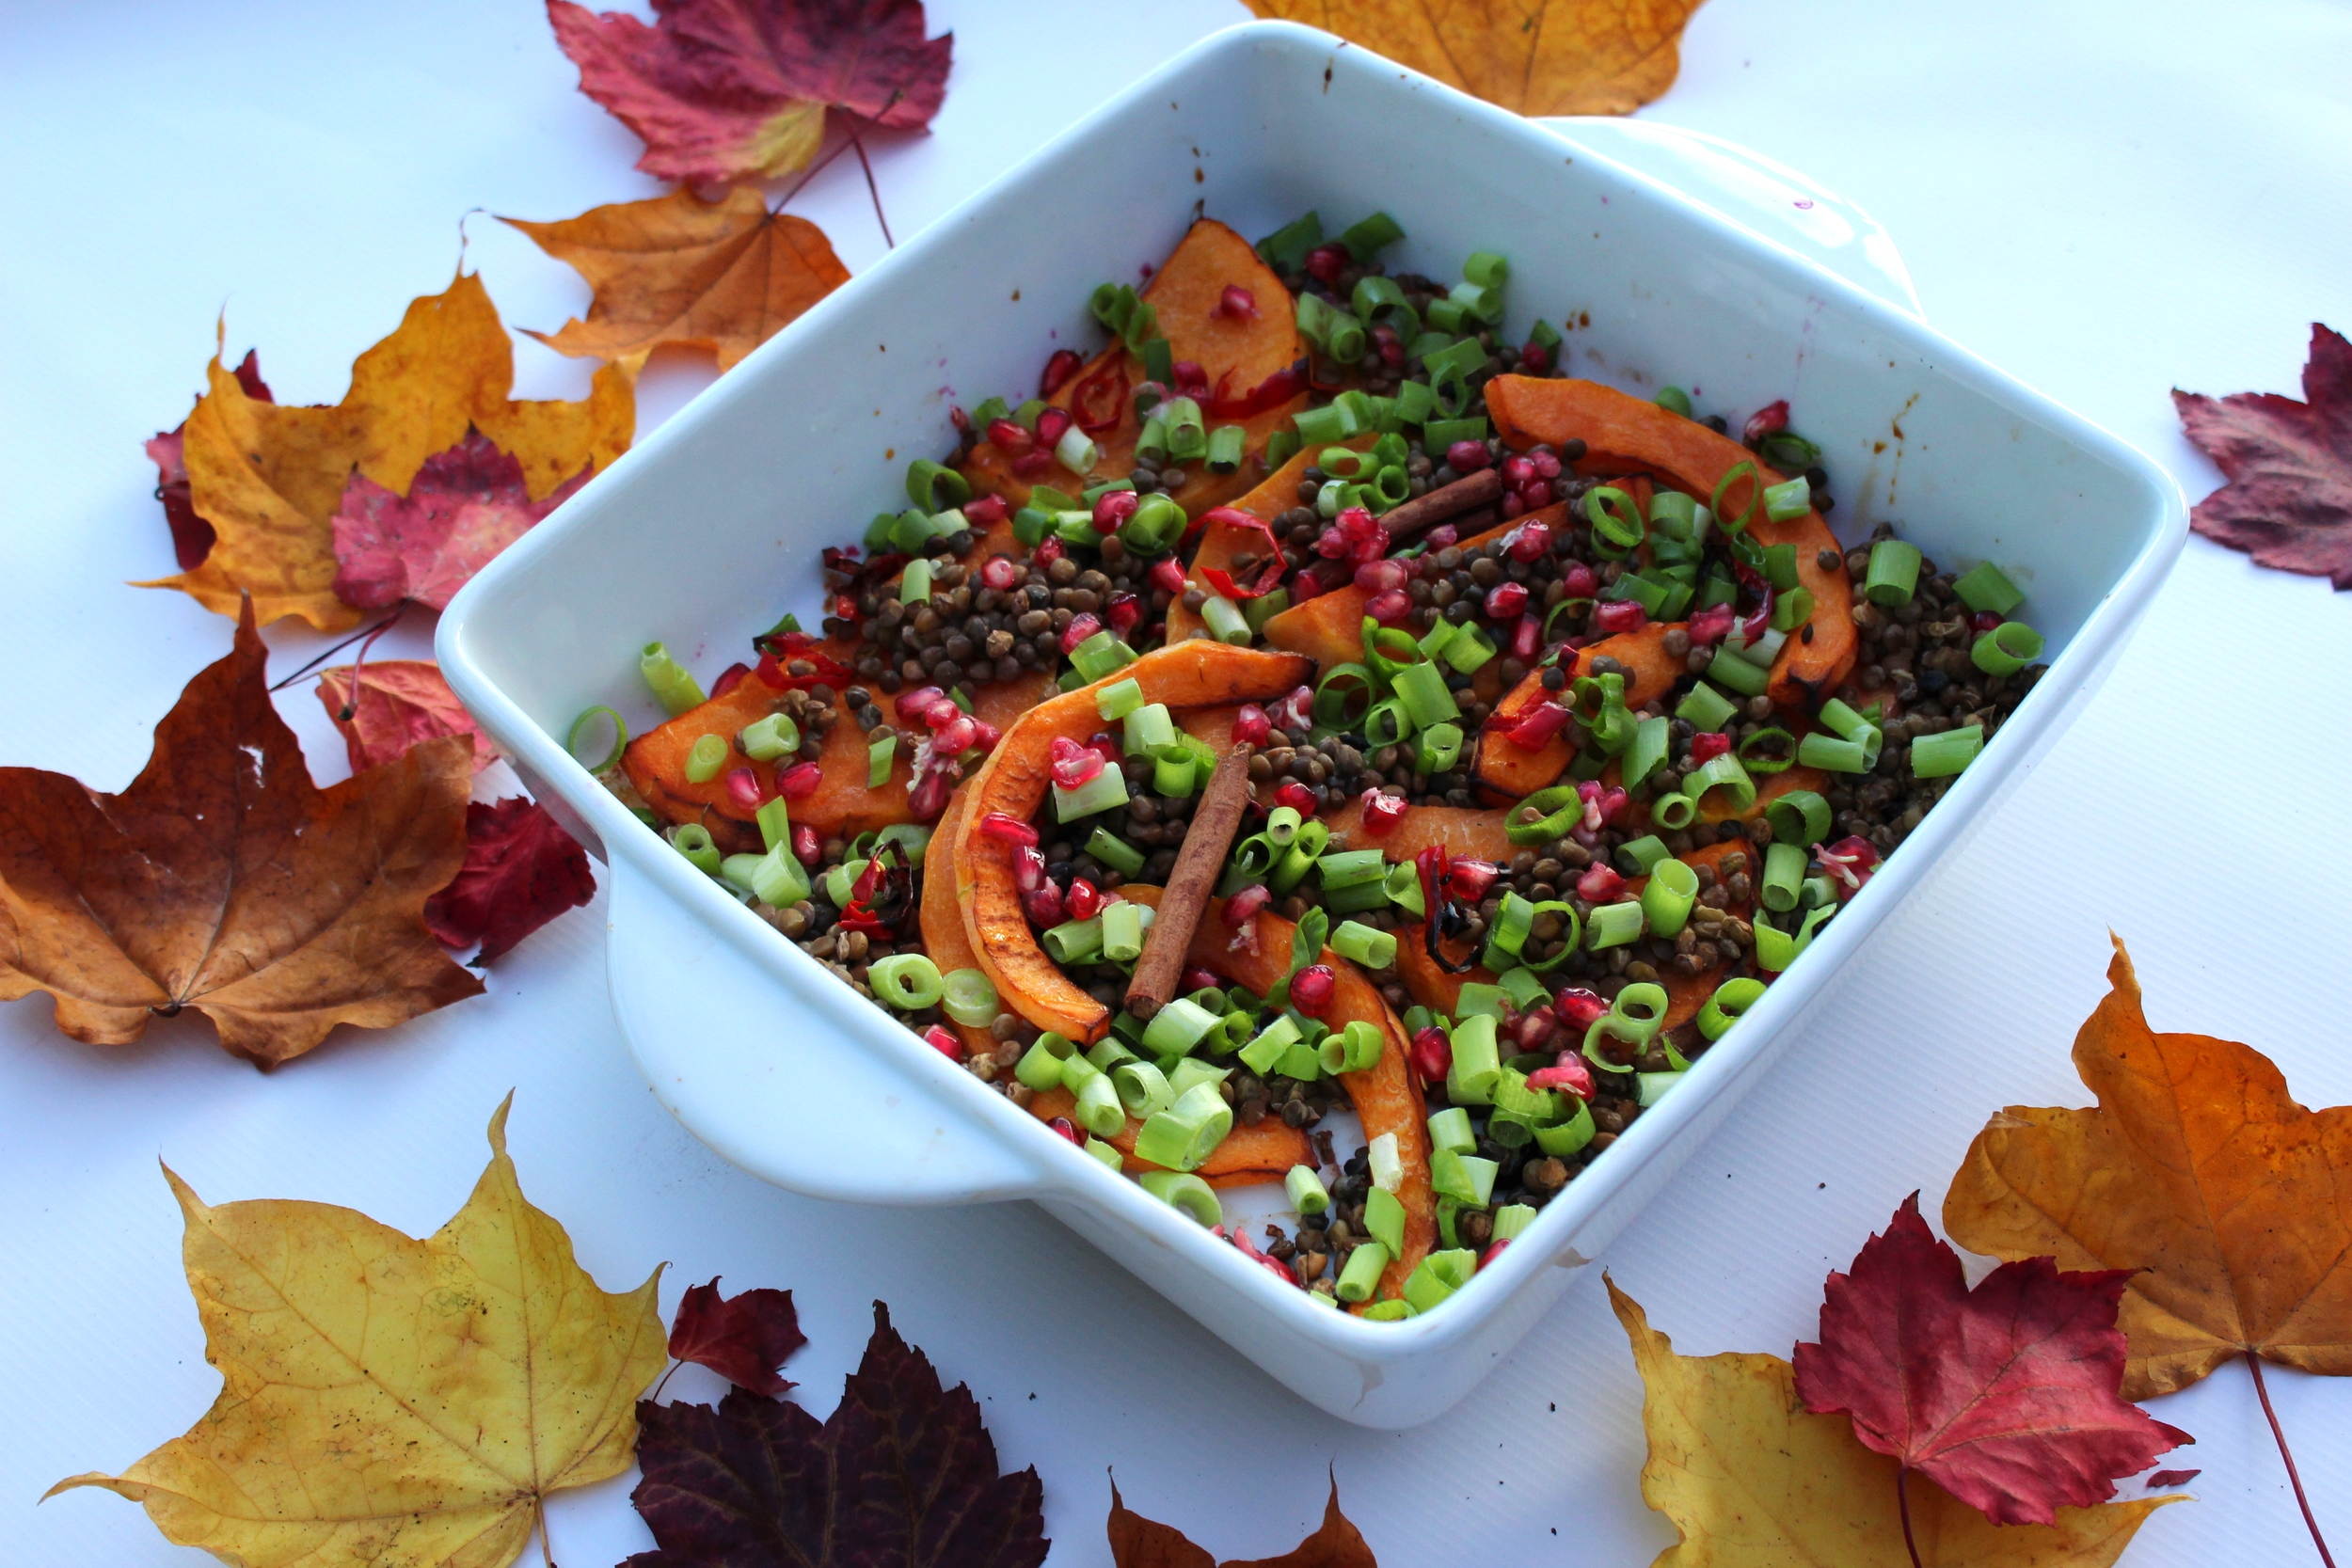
x,y
1363,944
1767,751
1191,1070
1146,729
1109,1156
692,840
1362,1272
1894,574
2007,648
1642,854
775,823
1382,1163
1646,753
1099,793
1073,942
969,996
1463,1175
1176,1028
1123,933
1655,1087
1118,699
1792,610
1437,749
1616,522
1040,1066
1723,1009
1188,1132
1728,669
1546,814
1423,692
1666,899
1174,772
1832,755
1706,708
1729,524
1101,654
1305,1191
905,980
1347,867
672,687
1076,452
1225,448
1467,649
778,879
1225,620
1188,1194
1939,756
705,758
1674,812
1384,1219
1568,1137
766,739
1142,1088
1986,587
599,724
1451,1129
915,584
1524,989
1784,872
1613,926
1787,501
881,754
1674,399
1117,854
1477,1062
1722,773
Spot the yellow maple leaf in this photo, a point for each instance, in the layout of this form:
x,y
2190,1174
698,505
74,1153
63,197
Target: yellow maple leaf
x,y
725,275
1751,1479
1531,57
268,476
389,1401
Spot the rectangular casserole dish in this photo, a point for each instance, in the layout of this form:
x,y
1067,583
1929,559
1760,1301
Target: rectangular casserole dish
x,y
705,531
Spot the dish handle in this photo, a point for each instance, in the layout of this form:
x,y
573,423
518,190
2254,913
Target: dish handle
x,y
775,1078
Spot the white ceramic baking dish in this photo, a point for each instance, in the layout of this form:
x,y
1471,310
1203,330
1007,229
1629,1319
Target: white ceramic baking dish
x,y
708,530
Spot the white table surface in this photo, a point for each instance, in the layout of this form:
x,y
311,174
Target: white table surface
x,y
2105,199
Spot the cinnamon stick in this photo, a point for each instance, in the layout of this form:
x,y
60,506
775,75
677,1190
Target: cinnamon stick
x,y
1467,493
1190,884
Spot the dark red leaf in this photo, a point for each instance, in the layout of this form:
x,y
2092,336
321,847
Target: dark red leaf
x,y
901,1472
2171,1478
521,871
743,1339
2004,1396
721,90
2288,502
464,506
191,535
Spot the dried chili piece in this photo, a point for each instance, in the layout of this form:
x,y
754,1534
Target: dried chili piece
x,y
1101,399
1269,572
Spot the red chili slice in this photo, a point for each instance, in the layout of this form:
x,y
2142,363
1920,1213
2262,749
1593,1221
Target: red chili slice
x,y
1270,571
1275,391
1101,398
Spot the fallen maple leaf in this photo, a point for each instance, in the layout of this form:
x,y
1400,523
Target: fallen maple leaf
x,y
391,1400
1140,1543
521,870
1750,1479
191,535
1537,57
2288,500
464,506
269,477
2004,1396
743,1337
725,275
2171,1478
901,1472
734,89
396,703
225,880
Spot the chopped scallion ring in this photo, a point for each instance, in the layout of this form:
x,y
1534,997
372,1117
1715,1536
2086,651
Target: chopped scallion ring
x,y
1723,1009
907,981
599,724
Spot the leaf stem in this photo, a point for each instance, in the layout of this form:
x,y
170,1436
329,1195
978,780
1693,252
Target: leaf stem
x,y
664,1382
871,189
813,170
2261,1391
546,1547
366,631
1902,1506
351,704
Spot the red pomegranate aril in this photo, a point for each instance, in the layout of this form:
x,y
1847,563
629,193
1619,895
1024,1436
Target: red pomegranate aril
x,y
1082,625
1072,764
1124,611
1107,747
1031,463
1535,494
1059,367
1028,868
1326,261
945,1040
1578,1009
985,510
1536,1027
1470,879
800,781
1984,621
1533,542
1312,988
1708,745
1570,1074
1547,463
1043,906
1439,538
1084,900
1527,636
1291,711
1388,606
1191,380
1374,576
1251,725
1770,419
1514,506
743,788
941,712
1850,863
1619,615
1248,901
928,796
1506,599
1599,885
1577,581
1010,436
1168,575
1197,978
1051,423
1049,549
985,735
1001,572
1538,726
1331,543
807,846
1710,626
1432,1053
957,737
1534,358
1238,303
1517,470
913,705
1112,509
1006,828
1296,796
1392,347
1486,1258
1062,1126
1468,457
1382,813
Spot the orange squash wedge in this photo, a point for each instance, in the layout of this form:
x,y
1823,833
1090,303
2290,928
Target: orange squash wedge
x,y
1329,628
1509,773
1273,495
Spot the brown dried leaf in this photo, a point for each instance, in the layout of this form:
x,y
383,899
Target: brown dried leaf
x,y
1140,1543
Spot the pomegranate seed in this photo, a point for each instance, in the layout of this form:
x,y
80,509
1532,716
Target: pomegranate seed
x,y
1770,419
1197,978
945,1040
1433,1054
1028,868
1072,765
1850,863
1708,745
1051,423
1374,575
957,737
1984,621
1470,879
940,712
1619,615
1325,262
1442,535
1536,727
1579,1008
1010,436
807,846
928,796
1517,470
1191,380
958,417
1577,581
743,788
1251,726
1506,599
1535,494
1536,1027
1527,637
1043,906
1533,542
1031,463
1063,364
1547,463
985,735
985,510
1387,606
1296,796
1082,625
1369,547
913,705
1049,549
1598,885
1112,509
1392,347
1291,711
800,781
1312,988
1534,356
1104,747
1239,303
1331,543
1168,575
1062,1126
1486,1259
1382,813
1466,457
1247,902
1006,828
1513,505
1084,900
1570,1072
1710,626
1000,573
1124,609
1275,1266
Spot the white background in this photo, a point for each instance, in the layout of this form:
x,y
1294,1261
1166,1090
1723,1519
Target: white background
x,y
2107,200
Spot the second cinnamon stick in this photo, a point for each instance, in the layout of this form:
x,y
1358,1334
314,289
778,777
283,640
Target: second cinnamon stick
x,y
1190,884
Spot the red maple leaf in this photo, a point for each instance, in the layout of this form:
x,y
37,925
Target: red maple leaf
x,y
743,1339
902,1471
2288,502
521,871
2004,1396
730,89
465,506
397,702
191,535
